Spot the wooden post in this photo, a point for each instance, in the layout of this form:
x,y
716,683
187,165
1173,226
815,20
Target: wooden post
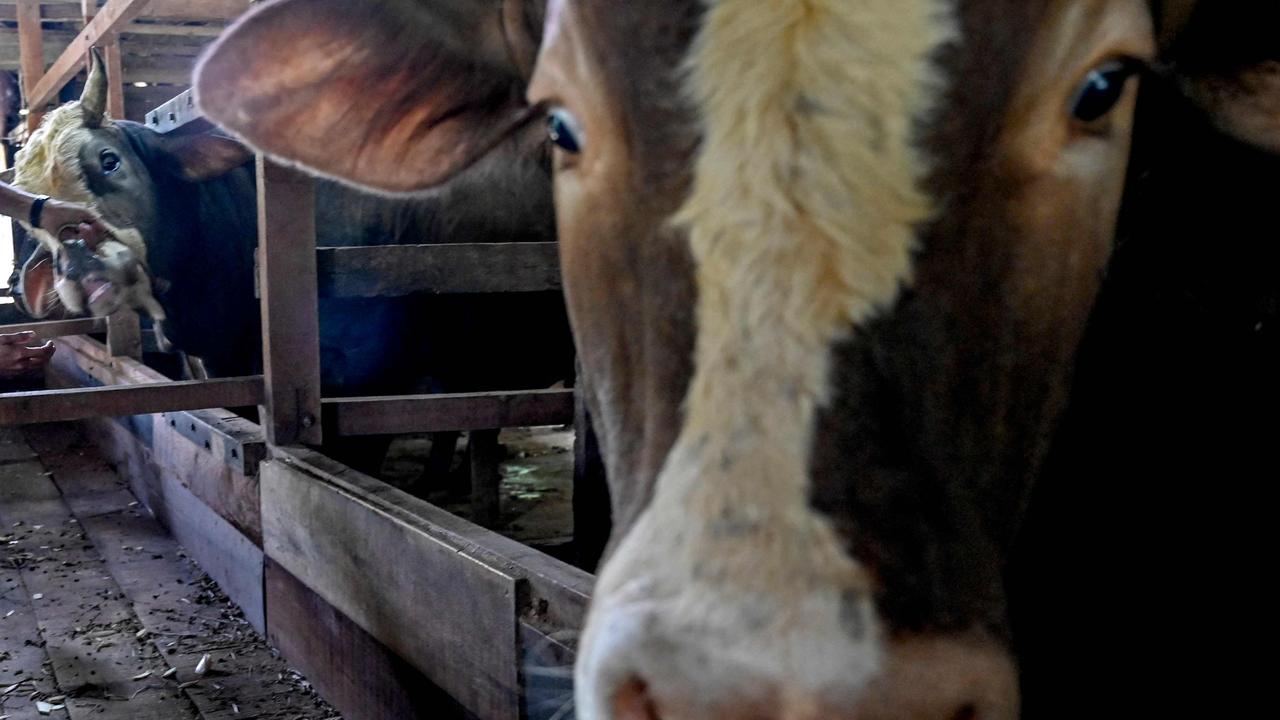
x,y
124,334
592,515
486,477
31,60
290,309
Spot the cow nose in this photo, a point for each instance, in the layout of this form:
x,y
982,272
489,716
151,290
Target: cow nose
x,y
941,678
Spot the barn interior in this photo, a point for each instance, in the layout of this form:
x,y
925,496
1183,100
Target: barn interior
x,y
177,548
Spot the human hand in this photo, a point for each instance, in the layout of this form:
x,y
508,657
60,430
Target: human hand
x,y
18,358
79,221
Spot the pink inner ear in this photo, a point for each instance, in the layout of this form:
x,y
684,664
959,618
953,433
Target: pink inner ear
x,y
37,289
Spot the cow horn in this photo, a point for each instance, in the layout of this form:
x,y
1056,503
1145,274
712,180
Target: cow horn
x,y
93,101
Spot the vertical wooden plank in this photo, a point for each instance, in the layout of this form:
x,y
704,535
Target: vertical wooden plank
x,y
115,77
31,54
124,334
290,312
486,477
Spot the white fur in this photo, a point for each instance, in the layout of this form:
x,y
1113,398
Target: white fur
x,y
802,222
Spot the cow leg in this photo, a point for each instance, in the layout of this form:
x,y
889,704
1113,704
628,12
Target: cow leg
x,y
485,477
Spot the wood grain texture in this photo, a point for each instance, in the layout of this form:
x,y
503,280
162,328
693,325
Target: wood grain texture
x,y
447,411
395,270
426,598
290,309
348,666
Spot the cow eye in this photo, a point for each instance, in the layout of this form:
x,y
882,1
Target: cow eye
x,y
110,162
563,130
1101,91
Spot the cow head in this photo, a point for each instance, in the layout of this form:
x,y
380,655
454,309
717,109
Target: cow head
x,y
79,154
827,264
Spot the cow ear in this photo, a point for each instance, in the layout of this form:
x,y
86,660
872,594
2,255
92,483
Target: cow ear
x,y
197,158
38,298
1227,59
398,95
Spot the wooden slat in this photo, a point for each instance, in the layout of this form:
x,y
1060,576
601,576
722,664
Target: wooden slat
x,y
80,404
113,16
423,593
59,328
348,666
439,413
394,270
290,310
31,38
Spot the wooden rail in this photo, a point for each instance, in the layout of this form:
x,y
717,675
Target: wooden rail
x,y
394,270
44,406
59,328
406,414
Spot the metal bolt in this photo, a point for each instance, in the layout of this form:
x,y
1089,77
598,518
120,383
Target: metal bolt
x,y
308,420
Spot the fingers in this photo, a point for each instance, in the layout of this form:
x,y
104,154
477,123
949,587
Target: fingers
x,y
21,338
39,353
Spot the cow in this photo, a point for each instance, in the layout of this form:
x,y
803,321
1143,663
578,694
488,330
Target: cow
x,y
827,264
191,202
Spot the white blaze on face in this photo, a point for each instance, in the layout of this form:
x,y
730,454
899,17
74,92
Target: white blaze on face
x,y
802,223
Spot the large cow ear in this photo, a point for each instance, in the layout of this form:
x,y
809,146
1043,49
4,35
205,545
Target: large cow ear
x,y
1227,59
393,94
197,158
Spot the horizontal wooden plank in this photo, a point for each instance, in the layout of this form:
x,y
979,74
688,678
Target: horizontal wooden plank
x,y
58,328
348,666
555,595
427,599
79,404
395,270
404,414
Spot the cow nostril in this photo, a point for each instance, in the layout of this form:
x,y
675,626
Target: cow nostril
x,y
968,712
633,702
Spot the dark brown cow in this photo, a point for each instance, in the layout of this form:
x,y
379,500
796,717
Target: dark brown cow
x,y
827,263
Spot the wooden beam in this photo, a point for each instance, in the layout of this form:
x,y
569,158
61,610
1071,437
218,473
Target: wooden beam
x,y
31,49
417,590
290,309
61,405
329,527
394,270
444,412
114,16
59,328
169,30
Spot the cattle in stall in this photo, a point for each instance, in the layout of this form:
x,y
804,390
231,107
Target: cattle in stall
x,y
192,201
828,265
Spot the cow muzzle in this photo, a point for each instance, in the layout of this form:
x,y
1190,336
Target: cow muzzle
x,y
653,675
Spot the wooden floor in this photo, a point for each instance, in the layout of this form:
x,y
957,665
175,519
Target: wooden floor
x,y
101,613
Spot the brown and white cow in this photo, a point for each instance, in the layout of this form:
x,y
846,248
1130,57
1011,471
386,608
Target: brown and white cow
x,y
828,263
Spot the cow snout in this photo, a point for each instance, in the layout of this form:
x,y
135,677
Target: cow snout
x,y
923,679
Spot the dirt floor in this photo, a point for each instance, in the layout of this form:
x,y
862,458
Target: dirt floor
x,y
103,616
537,482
